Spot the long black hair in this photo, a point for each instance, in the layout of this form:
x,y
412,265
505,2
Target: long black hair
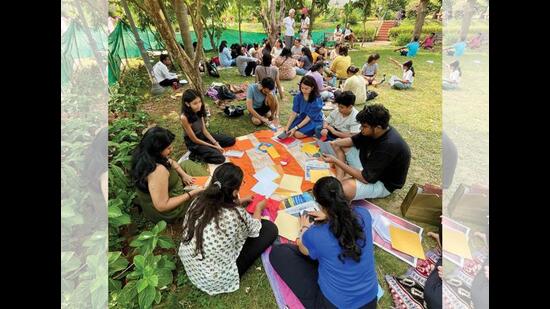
x,y
409,64
219,194
310,81
307,53
223,45
343,223
148,154
286,53
188,96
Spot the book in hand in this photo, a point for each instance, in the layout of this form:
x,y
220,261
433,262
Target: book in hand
x,y
326,148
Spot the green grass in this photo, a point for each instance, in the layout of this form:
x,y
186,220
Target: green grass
x,y
416,114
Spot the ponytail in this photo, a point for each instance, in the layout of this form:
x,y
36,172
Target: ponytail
x,y
343,223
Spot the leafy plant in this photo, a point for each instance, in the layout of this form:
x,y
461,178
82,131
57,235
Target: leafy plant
x,y
147,241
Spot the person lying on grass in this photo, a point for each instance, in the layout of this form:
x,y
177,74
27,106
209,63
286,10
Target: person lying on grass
x,y
332,264
220,239
306,115
406,81
159,180
341,122
204,146
376,160
410,49
261,103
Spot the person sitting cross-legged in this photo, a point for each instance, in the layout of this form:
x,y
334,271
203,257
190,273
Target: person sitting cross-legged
x,y
377,159
262,104
341,122
164,77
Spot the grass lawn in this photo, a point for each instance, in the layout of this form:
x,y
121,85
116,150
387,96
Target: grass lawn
x,y
416,114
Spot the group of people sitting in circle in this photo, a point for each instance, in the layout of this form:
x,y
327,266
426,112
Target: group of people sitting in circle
x,y
333,255
332,263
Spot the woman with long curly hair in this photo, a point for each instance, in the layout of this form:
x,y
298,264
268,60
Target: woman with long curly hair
x,y
332,265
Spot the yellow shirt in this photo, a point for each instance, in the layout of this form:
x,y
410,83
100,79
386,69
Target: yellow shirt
x,y
356,84
314,55
341,65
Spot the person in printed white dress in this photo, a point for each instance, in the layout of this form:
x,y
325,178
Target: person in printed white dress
x,y
220,239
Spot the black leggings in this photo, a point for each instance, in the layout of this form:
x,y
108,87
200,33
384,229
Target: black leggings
x,y
253,247
168,82
250,68
300,273
208,154
433,288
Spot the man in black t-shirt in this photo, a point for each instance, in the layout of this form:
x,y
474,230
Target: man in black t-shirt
x,y
377,158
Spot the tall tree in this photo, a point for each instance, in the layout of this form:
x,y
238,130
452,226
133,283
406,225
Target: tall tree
x,y
469,10
211,15
317,6
139,42
365,7
421,11
91,40
348,10
271,22
183,20
189,65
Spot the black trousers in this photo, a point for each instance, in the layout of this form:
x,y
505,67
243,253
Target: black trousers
x,y
208,154
250,68
168,82
253,247
300,273
433,288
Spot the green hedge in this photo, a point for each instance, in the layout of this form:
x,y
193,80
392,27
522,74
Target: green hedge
x,y
370,35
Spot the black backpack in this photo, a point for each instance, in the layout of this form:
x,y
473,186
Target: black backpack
x,y
224,93
371,95
234,111
211,69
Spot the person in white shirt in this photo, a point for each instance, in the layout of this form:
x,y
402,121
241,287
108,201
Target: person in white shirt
x,y
296,49
454,77
348,34
408,75
341,122
304,26
289,27
276,51
162,75
338,34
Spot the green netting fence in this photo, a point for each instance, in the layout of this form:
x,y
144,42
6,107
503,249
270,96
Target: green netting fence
x,y
122,45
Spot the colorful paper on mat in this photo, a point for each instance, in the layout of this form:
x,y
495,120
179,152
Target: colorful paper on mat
x,y
255,200
288,225
272,207
456,242
407,242
273,152
266,174
265,188
310,149
291,183
243,144
201,181
318,174
264,134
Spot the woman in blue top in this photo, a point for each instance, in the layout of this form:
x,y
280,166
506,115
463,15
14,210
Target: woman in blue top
x,y
225,55
332,263
307,108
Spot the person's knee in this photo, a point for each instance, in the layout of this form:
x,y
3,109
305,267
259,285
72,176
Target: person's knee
x,y
279,254
216,159
270,230
349,189
299,134
256,121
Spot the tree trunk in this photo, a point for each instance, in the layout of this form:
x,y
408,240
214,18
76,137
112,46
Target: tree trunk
x,y
420,17
240,21
182,17
189,65
467,18
311,16
139,42
209,32
91,41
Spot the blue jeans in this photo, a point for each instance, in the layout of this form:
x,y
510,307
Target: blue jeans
x,y
301,71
